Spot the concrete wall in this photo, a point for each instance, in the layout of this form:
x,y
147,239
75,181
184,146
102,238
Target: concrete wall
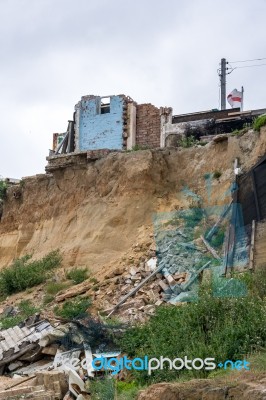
x,y
99,131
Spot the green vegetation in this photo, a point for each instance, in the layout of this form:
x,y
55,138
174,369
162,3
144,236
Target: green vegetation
x,y
188,141
102,389
259,122
24,274
127,390
3,189
53,288
222,328
218,239
73,309
217,174
78,275
25,309
138,147
192,217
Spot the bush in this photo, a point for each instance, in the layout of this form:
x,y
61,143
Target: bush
x,y
25,310
73,309
188,141
217,174
259,122
3,189
23,273
222,328
127,390
55,287
78,275
103,389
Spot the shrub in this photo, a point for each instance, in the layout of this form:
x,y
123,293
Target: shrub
x,y
259,122
217,174
25,310
55,287
138,147
188,141
127,390
78,275
3,189
73,309
23,273
103,389
222,328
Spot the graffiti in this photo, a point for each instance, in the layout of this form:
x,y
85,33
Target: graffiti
x,y
202,239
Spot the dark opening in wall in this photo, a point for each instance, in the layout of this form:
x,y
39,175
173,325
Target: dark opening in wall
x,y
105,105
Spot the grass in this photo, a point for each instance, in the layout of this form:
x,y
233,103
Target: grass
x,y
24,273
73,309
102,389
78,275
25,309
221,328
259,122
55,287
127,390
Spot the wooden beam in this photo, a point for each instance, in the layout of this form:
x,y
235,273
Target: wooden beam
x,y
252,245
255,194
211,249
136,289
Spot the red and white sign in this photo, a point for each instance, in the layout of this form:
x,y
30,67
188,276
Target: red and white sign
x,y
235,98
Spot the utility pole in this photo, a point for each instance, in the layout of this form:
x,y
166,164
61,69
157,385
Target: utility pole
x,y
223,83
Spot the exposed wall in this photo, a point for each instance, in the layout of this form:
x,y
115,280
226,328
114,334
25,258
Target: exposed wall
x,y
148,126
99,131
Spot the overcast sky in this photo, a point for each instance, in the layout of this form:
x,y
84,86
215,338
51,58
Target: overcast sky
x,y
164,52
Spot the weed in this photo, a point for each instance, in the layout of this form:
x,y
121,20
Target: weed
x,y
3,189
217,174
103,389
187,141
48,298
55,287
138,147
78,275
73,309
25,309
24,274
226,328
94,280
127,390
259,122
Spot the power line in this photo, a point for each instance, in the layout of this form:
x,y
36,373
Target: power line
x,y
241,61
250,66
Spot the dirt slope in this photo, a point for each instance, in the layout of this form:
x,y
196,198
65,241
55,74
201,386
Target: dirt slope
x,y
95,212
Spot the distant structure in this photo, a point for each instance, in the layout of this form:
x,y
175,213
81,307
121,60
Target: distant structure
x,y
117,122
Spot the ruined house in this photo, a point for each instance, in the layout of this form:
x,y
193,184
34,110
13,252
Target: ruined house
x,y
118,123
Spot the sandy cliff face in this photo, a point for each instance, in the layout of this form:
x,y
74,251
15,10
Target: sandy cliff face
x,y
94,212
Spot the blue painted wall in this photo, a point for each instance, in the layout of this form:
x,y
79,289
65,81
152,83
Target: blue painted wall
x,y
101,131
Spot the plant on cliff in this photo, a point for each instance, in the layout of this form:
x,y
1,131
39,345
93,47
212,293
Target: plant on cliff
x,y
3,189
24,273
73,309
259,122
25,310
78,275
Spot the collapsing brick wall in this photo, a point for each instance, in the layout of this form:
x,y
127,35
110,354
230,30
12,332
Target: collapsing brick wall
x,y
148,126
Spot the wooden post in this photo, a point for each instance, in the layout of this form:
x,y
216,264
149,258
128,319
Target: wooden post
x,y
252,245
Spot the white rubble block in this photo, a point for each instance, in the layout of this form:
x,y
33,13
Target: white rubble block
x,y
151,263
